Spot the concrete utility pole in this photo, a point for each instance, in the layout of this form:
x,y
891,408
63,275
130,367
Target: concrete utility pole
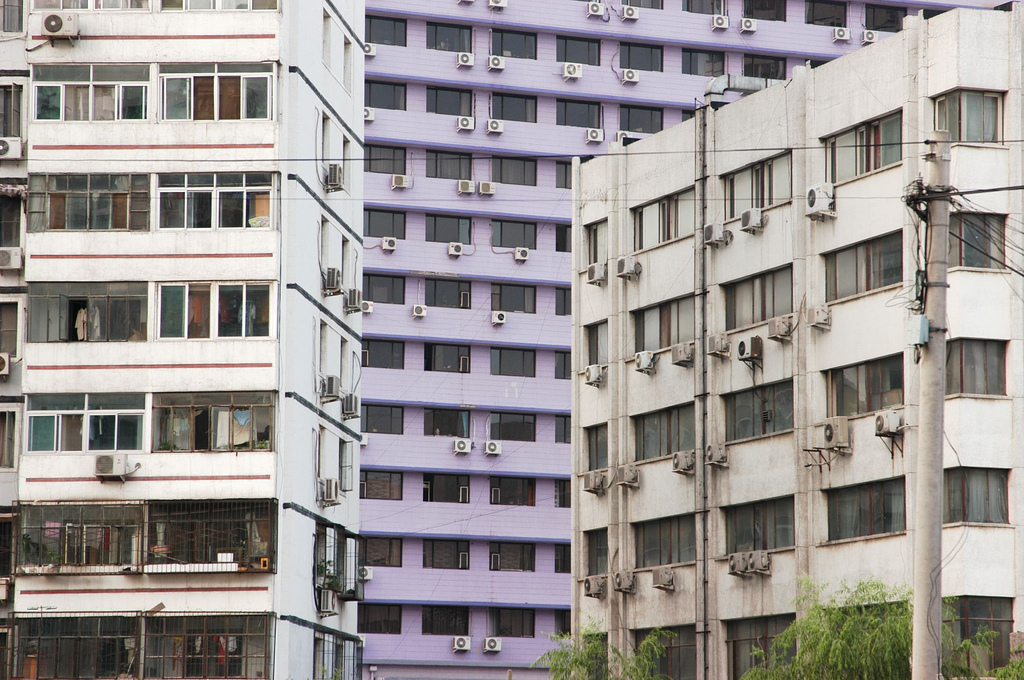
x,y
927,650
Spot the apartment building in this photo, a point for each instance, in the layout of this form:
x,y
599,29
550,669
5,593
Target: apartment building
x,y
474,111
183,403
745,397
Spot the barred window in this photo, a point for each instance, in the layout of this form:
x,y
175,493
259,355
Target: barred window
x,y
665,541
88,202
507,622
78,422
867,509
221,421
211,646
336,657
80,535
512,556
216,91
80,92
764,525
223,200
445,621
204,532
758,412
383,619
85,647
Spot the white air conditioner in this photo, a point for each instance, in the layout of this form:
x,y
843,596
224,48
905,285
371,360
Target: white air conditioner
x,y
495,126
461,643
401,181
350,406
10,148
835,433
593,482
597,273
664,578
759,562
748,25
594,375
626,267
594,135
630,13
492,447
869,37
330,388
821,201
465,186
889,423
630,75
682,354
521,254
462,445
492,644
714,234
369,114
332,281
60,25
465,123
840,33
684,462
495,63
486,188
110,466
11,258
719,21
388,243
354,301
629,475
572,71
738,564
819,317
751,221
717,454
750,349
498,318
624,581
780,327
369,49
644,362
5,363
366,307
330,490
497,4
594,586
718,345
455,248
595,9
465,59
365,574
335,177
419,311
327,601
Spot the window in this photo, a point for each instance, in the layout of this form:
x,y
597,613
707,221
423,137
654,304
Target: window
x,y
761,185
707,64
10,222
383,619
969,115
520,427
640,119
765,10
758,298
336,657
92,202
863,267
91,93
597,446
383,353
448,293
975,495
384,31
704,6
597,551
976,240
563,236
597,242
513,623
563,180
221,200
664,325
196,532
386,289
765,525
563,558
514,44
759,412
506,297
665,541
221,421
563,366
514,107
515,362
449,102
216,91
445,422
884,18
80,535
383,223
439,488
9,328
563,621
94,312
385,95
445,554
382,419
662,433
81,647
976,367
193,4
448,229
11,18
10,100
773,68
971,615
382,486
447,165
383,552
513,491
865,148
511,234
446,358
241,310
649,4
867,509
679,662
640,57
388,160
563,496
664,219
449,38
514,171
867,387
577,113
597,343
746,636
445,621
563,301
825,13
8,436
512,556
578,50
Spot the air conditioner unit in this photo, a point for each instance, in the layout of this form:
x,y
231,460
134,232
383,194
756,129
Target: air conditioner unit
x,y
354,301
455,248
664,578
819,317
10,148
835,433
349,406
492,644
644,362
597,273
714,234
5,363
365,574
780,327
629,475
594,375
840,33
419,311
738,564
461,643
759,562
497,4
465,123
492,447
869,37
327,601
465,59
369,49
571,71
630,13
624,581
718,345
595,9
401,181
495,63
335,177
10,258
751,349
369,114
717,454
495,126
388,243
332,281
366,307
486,188
330,388
465,186
593,482
684,462
751,221
521,254
889,423
748,25
109,466
719,21
682,354
498,318
330,490
462,445
60,25
630,75
820,201
594,135
594,586
626,267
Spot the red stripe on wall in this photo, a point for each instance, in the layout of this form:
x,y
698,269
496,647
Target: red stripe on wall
x,y
233,36
89,591
131,147
105,367
149,256
180,478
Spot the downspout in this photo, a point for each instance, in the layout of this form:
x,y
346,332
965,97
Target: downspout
x,y
701,391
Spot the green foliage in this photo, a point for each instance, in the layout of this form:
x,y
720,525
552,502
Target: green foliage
x,y
588,657
859,633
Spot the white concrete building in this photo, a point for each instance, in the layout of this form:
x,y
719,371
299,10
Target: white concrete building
x,y
797,312
189,349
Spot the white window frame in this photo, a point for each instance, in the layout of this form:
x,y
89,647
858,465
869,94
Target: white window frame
x,y
87,414
217,74
760,182
92,84
214,308
216,192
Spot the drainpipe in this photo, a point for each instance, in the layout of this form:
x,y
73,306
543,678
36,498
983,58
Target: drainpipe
x,y
701,391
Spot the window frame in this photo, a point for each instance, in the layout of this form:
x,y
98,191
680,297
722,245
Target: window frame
x,y
870,268
759,514
874,376
874,502
863,149
763,308
268,76
394,484
992,371
762,185
674,539
961,132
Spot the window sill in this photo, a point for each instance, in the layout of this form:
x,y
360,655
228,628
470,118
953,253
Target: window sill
x,y
689,563
970,395
771,551
979,270
854,539
764,209
876,171
662,244
760,437
866,293
869,414
977,525
980,145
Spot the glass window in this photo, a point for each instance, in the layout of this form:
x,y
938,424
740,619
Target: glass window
x,y
438,488
512,556
563,499
384,159
384,289
382,419
597,242
597,343
765,10
760,185
446,358
449,38
216,92
664,325
197,532
445,621
438,554
208,200
597,446
765,525
449,293
867,387
563,366
379,485
513,362
513,491
513,623
563,301
207,421
383,552
759,412
972,615
825,13
706,64
445,422
977,240
884,18
578,50
563,180
867,509
759,298
976,367
383,353
511,298
381,619
10,221
640,57
975,495
865,148
9,328
679,662
640,119
514,44
512,234
514,427
81,535
563,429
9,426
863,267
96,93
10,97
772,68
449,102
384,95
649,4
665,541
384,223
83,647
242,310
563,238
970,115
563,558
514,107
745,636
514,171
385,31
449,229
704,6
448,165
87,312
88,202
596,542
662,433
578,113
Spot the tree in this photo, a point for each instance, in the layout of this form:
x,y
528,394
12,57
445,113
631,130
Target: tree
x,y
589,657
859,633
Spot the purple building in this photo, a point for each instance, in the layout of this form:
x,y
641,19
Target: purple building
x,y
473,112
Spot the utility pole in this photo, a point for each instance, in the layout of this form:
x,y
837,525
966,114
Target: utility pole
x,y
927,645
